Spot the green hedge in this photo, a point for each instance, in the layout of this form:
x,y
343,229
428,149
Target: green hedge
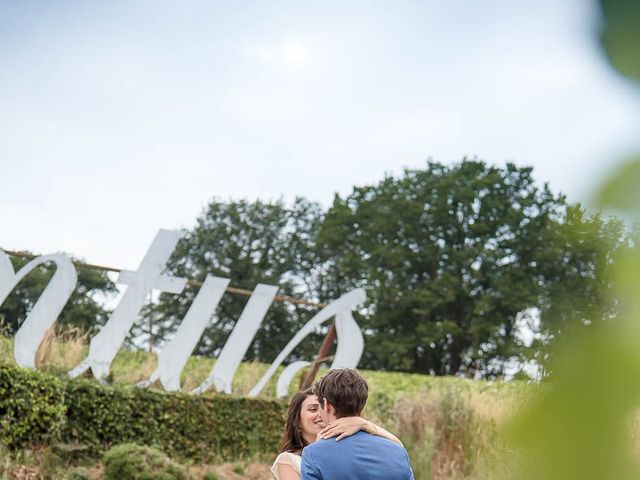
x,y
32,408
38,408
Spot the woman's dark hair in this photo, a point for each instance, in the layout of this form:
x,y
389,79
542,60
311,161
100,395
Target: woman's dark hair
x,y
292,439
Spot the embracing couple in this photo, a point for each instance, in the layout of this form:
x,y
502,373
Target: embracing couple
x,y
360,449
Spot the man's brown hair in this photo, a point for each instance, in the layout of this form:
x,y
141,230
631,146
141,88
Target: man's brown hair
x,y
345,390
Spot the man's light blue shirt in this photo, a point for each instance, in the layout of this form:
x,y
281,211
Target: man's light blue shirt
x,y
358,457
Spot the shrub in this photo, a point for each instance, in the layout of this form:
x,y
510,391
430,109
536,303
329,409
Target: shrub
x,y
31,407
210,475
36,408
137,462
185,426
78,473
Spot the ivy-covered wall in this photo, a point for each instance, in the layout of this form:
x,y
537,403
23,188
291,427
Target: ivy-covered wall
x,y
36,408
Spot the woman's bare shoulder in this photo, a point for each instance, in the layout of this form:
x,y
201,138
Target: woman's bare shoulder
x,y
288,458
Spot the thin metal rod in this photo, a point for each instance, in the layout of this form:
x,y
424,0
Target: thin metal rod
x,y
191,283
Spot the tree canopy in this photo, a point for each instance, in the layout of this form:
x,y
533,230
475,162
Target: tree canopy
x,y
453,257
456,262
250,243
467,268
83,310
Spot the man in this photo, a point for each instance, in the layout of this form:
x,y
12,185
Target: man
x,y
343,393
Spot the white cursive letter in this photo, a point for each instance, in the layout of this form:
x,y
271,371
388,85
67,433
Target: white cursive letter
x,y
349,338
245,329
46,310
104,346
173,357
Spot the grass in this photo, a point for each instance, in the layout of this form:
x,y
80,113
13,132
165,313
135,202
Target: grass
x,y
448,424
59,353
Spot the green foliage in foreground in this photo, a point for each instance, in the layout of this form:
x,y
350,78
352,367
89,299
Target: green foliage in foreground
x,y
582,425
620,35
42,409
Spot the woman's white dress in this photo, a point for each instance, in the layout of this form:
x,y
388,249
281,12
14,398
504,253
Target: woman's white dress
x,y
286,458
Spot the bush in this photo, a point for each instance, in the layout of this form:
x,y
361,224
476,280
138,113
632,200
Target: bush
x,y
38,408
78,473
210,475
137,462
31,407
185,426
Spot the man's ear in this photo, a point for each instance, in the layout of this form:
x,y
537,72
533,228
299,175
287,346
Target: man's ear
x,y
328,408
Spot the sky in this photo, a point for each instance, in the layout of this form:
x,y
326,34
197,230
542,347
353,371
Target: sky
x,y
120,118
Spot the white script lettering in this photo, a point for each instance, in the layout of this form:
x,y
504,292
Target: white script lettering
x,y
172,358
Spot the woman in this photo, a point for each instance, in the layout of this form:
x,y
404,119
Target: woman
x,y
304,426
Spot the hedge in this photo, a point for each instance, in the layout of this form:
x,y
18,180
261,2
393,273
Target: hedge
x,y
32,408
37,408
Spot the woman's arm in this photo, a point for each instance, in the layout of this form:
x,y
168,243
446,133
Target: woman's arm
x,y
347,426
286,472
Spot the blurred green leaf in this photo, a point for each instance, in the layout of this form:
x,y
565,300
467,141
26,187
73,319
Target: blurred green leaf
x,y
622,190
620,35
580,426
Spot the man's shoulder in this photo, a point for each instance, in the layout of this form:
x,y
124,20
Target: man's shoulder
x,y
352,454
319,446
359,438
311,447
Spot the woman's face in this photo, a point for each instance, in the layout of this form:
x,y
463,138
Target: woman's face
x,y
310,420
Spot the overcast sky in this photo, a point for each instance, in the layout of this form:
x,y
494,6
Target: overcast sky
x,y
119,118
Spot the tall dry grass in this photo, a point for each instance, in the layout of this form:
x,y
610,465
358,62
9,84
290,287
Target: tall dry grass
x,y
248,375
61,350
445,437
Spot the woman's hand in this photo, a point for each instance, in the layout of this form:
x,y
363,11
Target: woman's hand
x,y
344,427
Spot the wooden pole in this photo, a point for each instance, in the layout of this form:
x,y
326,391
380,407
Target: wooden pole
x,y
150,332
192,283
322,354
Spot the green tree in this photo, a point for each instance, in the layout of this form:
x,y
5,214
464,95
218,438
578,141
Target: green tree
x,y
451,257
250,243
577,267
84,310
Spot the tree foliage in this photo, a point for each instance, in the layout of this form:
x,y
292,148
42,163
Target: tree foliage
x,y
451,257
250,243
460,263
578,265
467,268
82,311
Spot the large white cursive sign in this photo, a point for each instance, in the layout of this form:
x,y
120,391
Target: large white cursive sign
x,y
173,357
